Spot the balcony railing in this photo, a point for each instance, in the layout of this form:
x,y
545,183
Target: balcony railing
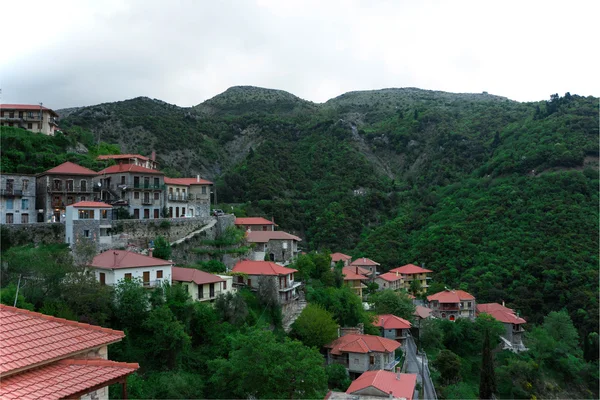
x,y
69,189
146,201
211,296
177,197
448,308
390,366
148,186
11,192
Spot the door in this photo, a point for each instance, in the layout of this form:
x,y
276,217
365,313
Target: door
x,y
211,290
102,278
156,213
146,278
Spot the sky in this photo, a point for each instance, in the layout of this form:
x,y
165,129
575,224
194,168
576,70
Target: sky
x,y
76,53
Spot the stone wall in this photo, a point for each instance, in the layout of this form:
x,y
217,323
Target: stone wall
x,y
22,234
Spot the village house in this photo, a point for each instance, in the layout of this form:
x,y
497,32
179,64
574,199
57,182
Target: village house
x,y
136,188
89,220
336,257
361,353
452,304
367,264
187,197
255,271
112,266
379,384
61,186
512,339
17,199
354,279
33,117
390,280
393,327
201,285
422,312
279,246
255,224
131,159
412,273
45,357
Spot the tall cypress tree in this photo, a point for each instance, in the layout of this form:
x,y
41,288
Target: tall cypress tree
x,y
487,383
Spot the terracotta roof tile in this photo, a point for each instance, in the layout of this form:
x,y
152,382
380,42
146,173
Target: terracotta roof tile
x,y
265,236
335,257
500,313
390,321
253,221
194,275
363,261
121,156
422,312
90,204
350,274
390,276
451,296
69,168
355,343
410,269
186,181
122,168
400,386
25,107
117,259
261,268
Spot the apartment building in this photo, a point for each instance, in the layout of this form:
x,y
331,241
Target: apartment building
x,y
410,273
187,197
33,117
17,199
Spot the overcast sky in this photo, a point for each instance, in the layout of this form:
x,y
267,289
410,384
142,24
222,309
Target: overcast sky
x,y
76,53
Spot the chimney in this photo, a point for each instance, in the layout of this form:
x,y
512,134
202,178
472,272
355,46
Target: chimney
x,y
357,270
153,156
197,178
150,252
396,273
391,396
115,254
382,322
398,373
364,259
502,303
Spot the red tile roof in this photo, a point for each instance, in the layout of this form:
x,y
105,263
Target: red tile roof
x,y
261,268
355,343
451,296
194,275
335,257
390,321
390,276
387,382
500,313
117,259
186,181
422,312
69,168
409,269
364,262
265,236
253,221
63,378
121,156
25,107
123,168
351,275
90,204
30,339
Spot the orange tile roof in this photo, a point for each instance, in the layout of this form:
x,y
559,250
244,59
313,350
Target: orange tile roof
x,y
90,204
500,313
265,236
30,339
355,343
335,257
124,168
121,156
253,221
390,276
422,312
402,386
410,269
186,181
261,268
117,259
390,321
63,378
351,275
194,275
365,262
27,107
69,168
451,296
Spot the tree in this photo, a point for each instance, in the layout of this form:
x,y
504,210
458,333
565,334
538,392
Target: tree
x,y
390,302
211,266
162,248
315,327
166,338
448,363
487,381
337,377
415,287
131,304
231,308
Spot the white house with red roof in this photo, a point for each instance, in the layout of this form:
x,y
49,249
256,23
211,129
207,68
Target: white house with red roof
x,y
393,327
344,258
89,220
355,279
513,324
45,357
188,197
201,285
361,353
452,304
410,273
390,280
112,266
251,273
255,224
279,246
367,264
33,117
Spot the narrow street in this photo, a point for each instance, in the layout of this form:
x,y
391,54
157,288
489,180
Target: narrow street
x,y
413,366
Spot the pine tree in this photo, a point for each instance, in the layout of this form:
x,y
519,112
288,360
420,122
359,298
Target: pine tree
x,y
487,383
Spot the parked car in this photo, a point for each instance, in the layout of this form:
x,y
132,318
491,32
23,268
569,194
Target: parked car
x,y
217,212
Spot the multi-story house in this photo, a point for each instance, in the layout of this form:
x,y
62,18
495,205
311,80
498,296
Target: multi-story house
x,y
188,197
361,353
452,304
61,186
201,285
139,189
254,273
89,220
132,159
17,199
393,327
280,246
112,266
354,279
33,117
390,280
367,264
255,224
45,357
345,259
412,273
512,339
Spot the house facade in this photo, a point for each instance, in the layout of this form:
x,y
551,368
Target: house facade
x,y
33,117
62,186
367,264
201,285
390,280
393,327
89,220
512,339
361,353
131,159
355,280
255,224
279,246
187,197
112,266
410,273
17,199
452,304
254,272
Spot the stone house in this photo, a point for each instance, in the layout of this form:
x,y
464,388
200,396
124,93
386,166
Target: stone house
x,y
62,186
345,259
411,272
255,224
393,327
366,264
112,266
381,384
54,358
390,280
17,199
89,220
512,339
33,117
252,272
202,286
452,304
361,353
355,280
188,197
279,246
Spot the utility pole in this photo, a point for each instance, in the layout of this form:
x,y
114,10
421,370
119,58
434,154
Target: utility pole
x,y
17,293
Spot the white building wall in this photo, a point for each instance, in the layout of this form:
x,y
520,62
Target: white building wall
x,y
114,276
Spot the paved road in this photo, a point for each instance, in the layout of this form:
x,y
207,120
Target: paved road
x,y
413,366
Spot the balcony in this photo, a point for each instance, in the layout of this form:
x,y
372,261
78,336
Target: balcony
x,y
148,186
152,284
449,307
211,296
178,197
32,118
11,192
70,189
147,201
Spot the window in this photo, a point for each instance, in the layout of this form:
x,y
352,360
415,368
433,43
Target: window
x,y
70,185
56,202
171,212
29,125
136,181
122,179
156,195
10,185
249,282
86,214
200,291
9,218
159,274
128,276
225,285
203,189
86,233
146,277
156,213
57,184
82,198
9,204
24,218
83,185
183,211
146,182
156,182
371,360
70,200
39,125
11,114
20,114
136,213
146,213
104,214
102,278
136,195
104,232
24,204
